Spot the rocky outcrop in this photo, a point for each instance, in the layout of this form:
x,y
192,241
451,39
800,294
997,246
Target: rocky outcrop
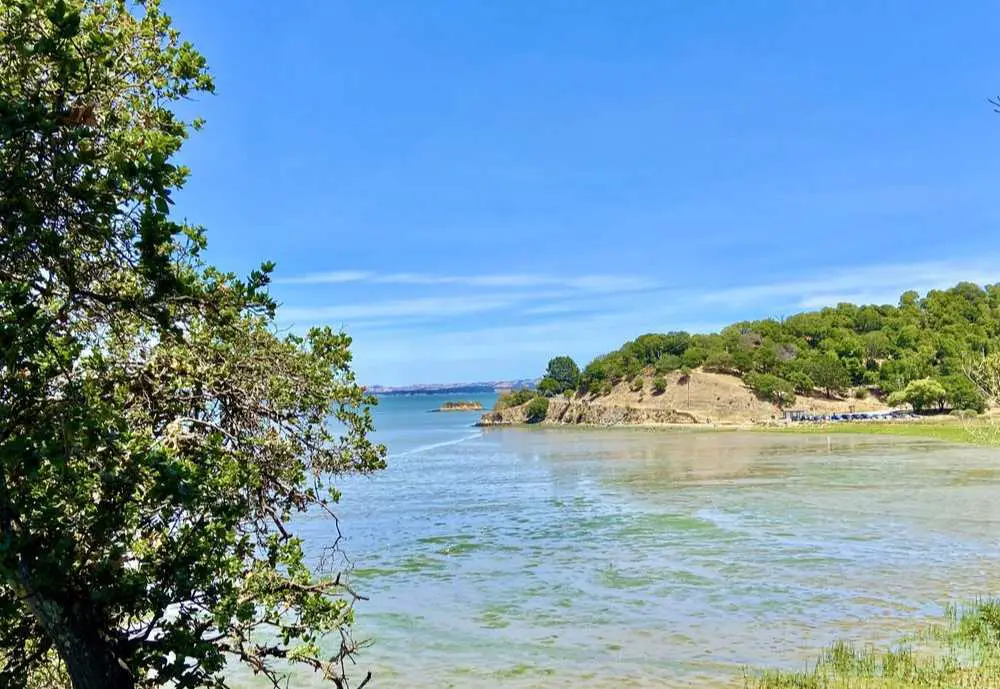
x,y
699,398
582,412
460,406
499,418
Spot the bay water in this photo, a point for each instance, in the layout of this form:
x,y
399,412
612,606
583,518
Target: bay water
x,y
562,557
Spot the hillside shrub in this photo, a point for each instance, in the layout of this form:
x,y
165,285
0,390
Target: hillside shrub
x,y
561,374
920,394
515,398
771,388
536,410
637,384
962,393
694,357
549,387
801,381
719,362
659,385
668,363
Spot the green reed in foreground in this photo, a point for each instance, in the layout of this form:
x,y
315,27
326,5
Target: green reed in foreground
x,y
963,653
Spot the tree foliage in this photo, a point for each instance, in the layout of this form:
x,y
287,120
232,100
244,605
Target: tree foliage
x,y
920,394
515,398
561,374
549,387
156,435
770,387
828,373
536,410
962,393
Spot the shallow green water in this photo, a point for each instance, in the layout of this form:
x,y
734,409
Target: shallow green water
x,y
566,558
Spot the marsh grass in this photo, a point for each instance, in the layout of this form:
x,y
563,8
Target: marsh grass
x,y
947,428
964,652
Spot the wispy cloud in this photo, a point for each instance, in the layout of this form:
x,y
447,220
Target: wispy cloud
x,y
511,323
865,284
591,283
330,278
441,307
523,295
517,294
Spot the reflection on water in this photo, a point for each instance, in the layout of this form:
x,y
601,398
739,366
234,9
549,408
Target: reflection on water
x,y
566,558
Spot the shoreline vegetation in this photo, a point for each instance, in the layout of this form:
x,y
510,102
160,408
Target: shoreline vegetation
x,y
980,431
964,651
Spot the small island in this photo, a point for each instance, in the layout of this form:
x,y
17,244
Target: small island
x,y
460,406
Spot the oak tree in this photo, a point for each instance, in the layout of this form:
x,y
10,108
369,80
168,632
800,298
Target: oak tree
x,y
156,434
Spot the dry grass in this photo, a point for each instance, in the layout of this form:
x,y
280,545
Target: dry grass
x,y
719,398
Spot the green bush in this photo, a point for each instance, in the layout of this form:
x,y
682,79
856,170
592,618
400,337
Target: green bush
x,y
719,362
637,384
861,394
536,410
515,398
920,394
668,363
962,393
801,381
549,387
771,388
601,388
659,385
829,373
694,357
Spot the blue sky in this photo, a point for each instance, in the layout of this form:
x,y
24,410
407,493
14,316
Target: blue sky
x,y
469,188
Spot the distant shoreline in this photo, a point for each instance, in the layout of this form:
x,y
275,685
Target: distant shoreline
x,y
484,388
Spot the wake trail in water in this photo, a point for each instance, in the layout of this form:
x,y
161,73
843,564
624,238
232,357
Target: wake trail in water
x,y
433,446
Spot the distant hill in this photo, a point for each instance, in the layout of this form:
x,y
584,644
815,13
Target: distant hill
x,y
917,352
447,388
863,349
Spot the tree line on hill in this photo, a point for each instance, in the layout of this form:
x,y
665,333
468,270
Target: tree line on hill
x,y
916,352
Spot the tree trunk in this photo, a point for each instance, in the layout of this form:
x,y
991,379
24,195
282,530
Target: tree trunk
x,y
90,659
92,664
